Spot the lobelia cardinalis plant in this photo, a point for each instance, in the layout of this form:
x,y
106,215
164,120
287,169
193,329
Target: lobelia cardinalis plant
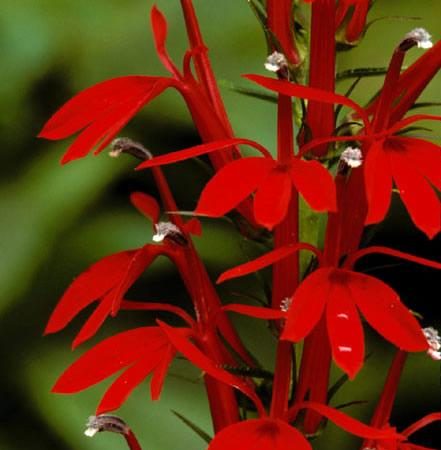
x,y
345,169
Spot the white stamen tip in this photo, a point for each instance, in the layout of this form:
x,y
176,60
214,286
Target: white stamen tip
x,y
434,341
285,304
275,62
168,230
352,156
90,432
421,37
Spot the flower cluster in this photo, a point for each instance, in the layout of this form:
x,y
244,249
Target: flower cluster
x,y
320,306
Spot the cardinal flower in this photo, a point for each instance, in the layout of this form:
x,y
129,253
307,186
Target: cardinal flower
x,y
340,294
271,182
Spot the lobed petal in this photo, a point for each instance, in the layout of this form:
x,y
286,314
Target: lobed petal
x,y
382,308
307,305
232,184
272,199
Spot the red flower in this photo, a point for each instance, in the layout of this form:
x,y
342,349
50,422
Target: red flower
x,y
276,434
272,182
357,10
412,163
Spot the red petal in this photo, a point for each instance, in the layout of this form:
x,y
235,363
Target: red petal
x,y
259,434
200,360
426,157
92,103
91,285
351,425
255,311
315,184
378,181
198,150
296,90
233,184
193,226
122,387
160,372
272,199
420,199
358,21
159,27
146,205
265,260
384,311
307,305
426,420
110,356
345,330
95,320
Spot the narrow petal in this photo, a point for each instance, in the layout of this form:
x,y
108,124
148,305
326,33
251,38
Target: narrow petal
x,y
90,104
259,434
351,425
315,184
345,330
378,181
384,311
426,420
272,199
123,386
91,285
159,27
110,356
146,205
160,372
307,305
266,260
296,90
233,184
257,312
420,199
198,150
193,226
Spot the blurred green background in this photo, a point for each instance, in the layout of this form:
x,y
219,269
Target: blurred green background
x,y
55,221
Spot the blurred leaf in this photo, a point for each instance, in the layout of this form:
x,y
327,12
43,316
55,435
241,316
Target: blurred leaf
x,y
199,431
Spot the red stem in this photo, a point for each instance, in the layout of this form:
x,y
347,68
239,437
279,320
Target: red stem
x,y
132,442
384,406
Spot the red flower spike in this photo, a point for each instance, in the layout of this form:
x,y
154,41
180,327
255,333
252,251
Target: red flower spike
x,y
342,291
140,351
259,434
146,205
101,110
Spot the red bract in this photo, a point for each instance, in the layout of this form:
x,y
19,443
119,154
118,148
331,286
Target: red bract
x,y
340,293
272,182
355,11
140,352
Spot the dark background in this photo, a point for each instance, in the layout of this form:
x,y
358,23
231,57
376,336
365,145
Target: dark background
x,y
55,221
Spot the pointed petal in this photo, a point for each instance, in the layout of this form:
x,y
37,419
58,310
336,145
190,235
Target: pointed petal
x,y
146,205
352,426
91,285
200,360
123,386
90,104
384,311
266,260
257,312
233,184
202,149
378,181
426,420
296,90
425,156
160,372
345,330
193,226
95,320
315,184
159,27
110,356
259,434
307,305
272,199
420,199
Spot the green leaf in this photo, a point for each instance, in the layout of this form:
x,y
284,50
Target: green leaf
x,y
199,431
